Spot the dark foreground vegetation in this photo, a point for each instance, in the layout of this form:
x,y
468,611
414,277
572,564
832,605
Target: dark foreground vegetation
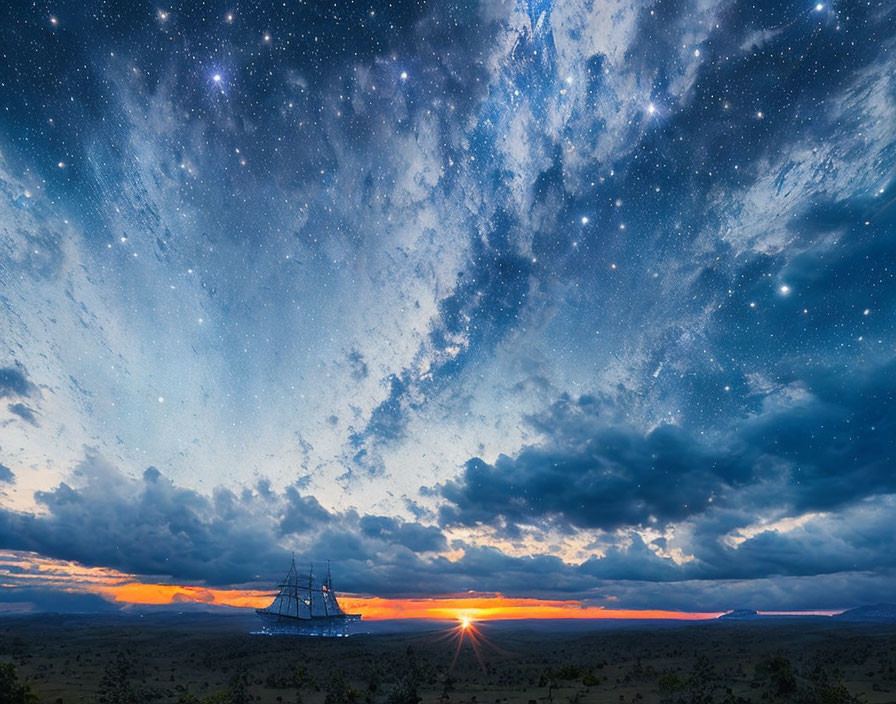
x,y
203,660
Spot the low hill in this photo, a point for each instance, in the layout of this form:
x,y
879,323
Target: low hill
x,y
877,613
740,614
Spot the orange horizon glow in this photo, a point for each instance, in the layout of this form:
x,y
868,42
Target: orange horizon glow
x,y
497,606
458,608
130,590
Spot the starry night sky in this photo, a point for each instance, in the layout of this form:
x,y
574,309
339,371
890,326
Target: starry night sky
x,y
579,299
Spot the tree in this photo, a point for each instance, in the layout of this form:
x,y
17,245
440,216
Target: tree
x,y
338,692
238,691
405,692
11,690
115,686
780,673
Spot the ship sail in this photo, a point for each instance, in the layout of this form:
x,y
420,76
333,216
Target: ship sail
x,y
302,599
294,599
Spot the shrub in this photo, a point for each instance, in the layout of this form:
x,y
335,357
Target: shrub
x,y
11,691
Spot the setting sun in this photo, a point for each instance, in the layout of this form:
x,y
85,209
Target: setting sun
x,y
465,622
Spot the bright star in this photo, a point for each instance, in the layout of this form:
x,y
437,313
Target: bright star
x,y
404,75
819,7
651,108
785,289
217,78
584,220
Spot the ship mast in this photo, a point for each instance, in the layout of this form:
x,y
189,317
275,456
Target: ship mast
x,y
311,591
294,579
326,596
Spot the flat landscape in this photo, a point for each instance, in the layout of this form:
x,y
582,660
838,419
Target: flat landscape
x,y
199,658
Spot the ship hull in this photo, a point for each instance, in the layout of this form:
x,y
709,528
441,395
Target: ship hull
x,y
322,626
314,621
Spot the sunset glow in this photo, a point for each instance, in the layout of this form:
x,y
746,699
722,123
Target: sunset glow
x,y
465,609
469,608
20,570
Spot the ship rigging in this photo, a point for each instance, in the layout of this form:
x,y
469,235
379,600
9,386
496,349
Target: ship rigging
x,y
303,606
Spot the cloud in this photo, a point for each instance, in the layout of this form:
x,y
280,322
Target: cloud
x,y
832,591
617,477
150,526
24,412
593,471
417,538
14,381
302,514
6,474
145,526
49,600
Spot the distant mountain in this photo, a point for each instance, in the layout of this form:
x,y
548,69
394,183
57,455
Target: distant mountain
x,y
740,614
879,613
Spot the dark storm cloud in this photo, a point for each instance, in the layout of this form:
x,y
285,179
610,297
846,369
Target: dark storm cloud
x,y
6,474
608,478
148,526
827,450
151,527
303,513
14,381
415,537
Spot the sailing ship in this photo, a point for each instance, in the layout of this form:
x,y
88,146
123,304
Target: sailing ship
x,y
304,605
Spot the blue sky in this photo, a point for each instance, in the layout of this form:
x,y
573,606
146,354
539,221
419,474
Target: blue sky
x,y
590,299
